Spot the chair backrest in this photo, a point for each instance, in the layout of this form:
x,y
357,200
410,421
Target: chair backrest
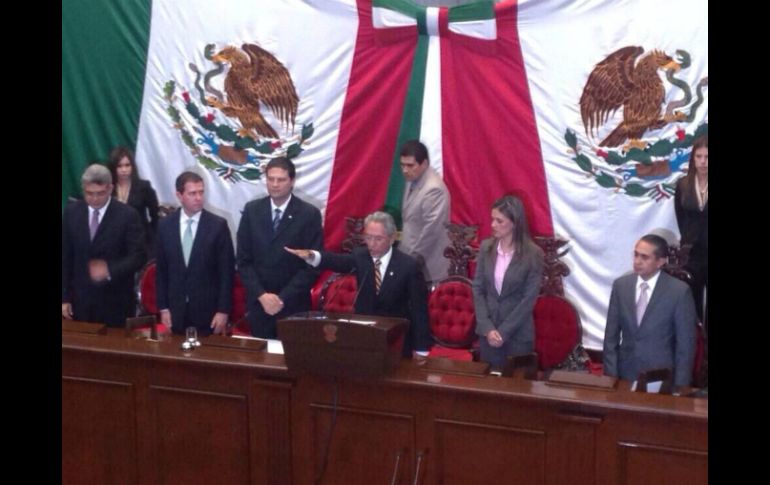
x,y
524,365
557,329
238,312
461,251
339,293
318,288
451,313
145,289
655,375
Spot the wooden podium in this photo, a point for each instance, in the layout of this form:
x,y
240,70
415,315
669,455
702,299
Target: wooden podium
x,y
341,344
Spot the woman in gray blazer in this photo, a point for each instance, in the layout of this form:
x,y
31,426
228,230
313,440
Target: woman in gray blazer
x,y
508,276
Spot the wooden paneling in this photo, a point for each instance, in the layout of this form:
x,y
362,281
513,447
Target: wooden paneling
x,y
469,452
144,412
271,423
642,464
98,432
365,445
202,437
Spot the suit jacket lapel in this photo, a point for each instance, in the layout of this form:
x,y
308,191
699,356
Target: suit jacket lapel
x,y
510,274
286,218
105,223
656,296
200,233
628,299
176,237
491,273
416,188
390,273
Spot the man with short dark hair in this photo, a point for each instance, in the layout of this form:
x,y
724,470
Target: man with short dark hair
x,y
102,248
651,319
424,212
195,263
277,285
390,282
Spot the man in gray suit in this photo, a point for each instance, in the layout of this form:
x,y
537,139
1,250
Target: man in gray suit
x,y
651,319
424,212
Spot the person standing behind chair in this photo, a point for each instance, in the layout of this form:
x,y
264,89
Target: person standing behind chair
x,y
692,217
277,284
137,193
424,212
508,277
650,320
195,263
390,282
102,248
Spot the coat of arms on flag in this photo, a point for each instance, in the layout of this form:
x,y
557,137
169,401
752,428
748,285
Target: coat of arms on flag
x,y
629,80
228,129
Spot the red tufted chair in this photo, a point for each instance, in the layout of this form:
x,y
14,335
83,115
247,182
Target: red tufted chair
x,y
557,329
452,318
318,287
238,320
145,295
338,293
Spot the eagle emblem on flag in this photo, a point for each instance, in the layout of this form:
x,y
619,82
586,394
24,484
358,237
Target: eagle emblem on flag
x,y
223,121
623,160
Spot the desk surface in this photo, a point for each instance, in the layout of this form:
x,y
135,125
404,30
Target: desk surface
x,y
408,374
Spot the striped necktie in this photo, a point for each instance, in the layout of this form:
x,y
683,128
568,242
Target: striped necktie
x,y
377,276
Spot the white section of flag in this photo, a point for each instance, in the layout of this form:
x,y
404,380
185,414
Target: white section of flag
x,y
313,39
562,41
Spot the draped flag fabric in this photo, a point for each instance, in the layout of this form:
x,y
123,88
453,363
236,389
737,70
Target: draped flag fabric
x,y
513,97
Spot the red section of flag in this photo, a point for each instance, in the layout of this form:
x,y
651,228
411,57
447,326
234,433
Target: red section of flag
x,y
371,117
490,141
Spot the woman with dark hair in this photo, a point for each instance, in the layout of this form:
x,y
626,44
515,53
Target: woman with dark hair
x,y
508,276
137,193
692,217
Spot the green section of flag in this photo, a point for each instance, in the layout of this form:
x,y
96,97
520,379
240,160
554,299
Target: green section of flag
x,y
472,11
104,54
411,119
406,7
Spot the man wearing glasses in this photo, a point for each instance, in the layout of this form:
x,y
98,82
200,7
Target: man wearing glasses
x,y
390,282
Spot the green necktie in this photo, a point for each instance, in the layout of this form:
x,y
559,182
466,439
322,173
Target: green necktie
x,y
187,241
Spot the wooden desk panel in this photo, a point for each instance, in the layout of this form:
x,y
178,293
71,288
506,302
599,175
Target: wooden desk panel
x,y
147,413
144,412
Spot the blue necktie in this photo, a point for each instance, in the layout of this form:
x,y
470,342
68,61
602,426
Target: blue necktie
x,y
276,219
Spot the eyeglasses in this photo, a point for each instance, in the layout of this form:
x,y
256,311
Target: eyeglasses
x,y
373,238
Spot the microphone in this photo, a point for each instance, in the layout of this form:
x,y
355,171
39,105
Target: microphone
x,y
360,287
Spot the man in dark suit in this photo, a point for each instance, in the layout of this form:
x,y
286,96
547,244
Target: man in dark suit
x,y
195,263
102,248
651,319
277,284
390,282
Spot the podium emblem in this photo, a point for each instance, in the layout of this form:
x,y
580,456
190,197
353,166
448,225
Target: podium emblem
x,y
330,333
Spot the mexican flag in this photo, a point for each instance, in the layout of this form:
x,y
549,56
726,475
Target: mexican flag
x,y
509,97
